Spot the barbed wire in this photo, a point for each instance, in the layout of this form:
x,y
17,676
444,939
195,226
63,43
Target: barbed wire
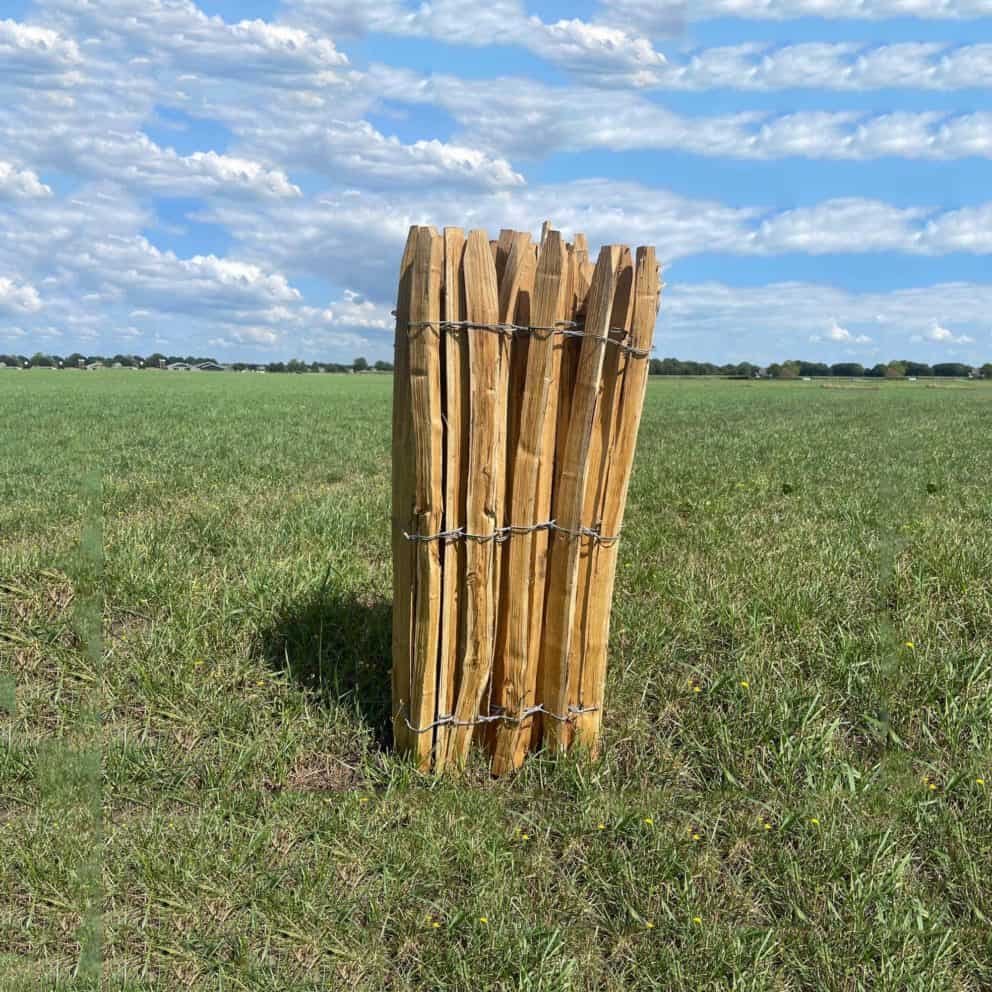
x,y
450,720
502,534
566,328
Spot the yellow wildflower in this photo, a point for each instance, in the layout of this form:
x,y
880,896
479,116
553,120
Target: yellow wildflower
x,y
483,919
648,925
649,821
814,821
745,684
697,919
910,645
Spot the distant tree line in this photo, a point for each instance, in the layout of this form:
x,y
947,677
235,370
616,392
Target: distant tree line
x,y
791,369
159,360
796,369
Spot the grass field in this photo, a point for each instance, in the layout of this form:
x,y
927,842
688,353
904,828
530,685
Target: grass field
x,y
196,787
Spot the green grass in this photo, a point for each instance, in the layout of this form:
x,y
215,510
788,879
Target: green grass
x,y
196,788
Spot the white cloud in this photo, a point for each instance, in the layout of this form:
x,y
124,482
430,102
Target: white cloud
x,y
136,160
844,66
942,335
607,52
33,51
20,183
356,311
503,116
18,297
841,334
354,150
664,16
770,322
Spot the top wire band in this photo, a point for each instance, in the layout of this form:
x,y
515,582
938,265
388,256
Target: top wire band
x,y
566,328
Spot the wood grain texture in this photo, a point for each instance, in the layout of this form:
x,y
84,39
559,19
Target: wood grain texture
x,y
601,447
568,501
427,443
482,508
515,667
402,505
645,301
456,405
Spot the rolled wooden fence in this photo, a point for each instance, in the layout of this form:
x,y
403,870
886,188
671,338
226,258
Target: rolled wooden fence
x,y
519,383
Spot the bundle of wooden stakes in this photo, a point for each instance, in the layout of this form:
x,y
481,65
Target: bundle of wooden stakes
x,y
519,383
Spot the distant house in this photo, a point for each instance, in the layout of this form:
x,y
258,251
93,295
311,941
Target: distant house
x,y
93,366
179,367
13,368
209,367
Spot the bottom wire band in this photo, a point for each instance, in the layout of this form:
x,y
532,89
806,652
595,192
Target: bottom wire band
x,y
450,721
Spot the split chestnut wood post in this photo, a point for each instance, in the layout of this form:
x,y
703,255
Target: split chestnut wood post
x,y
482,509
456,400
425,404
635,377
516,285
402,509
519,667
562,586
601,450
541,543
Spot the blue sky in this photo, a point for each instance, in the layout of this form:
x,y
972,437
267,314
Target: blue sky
x,y
236,179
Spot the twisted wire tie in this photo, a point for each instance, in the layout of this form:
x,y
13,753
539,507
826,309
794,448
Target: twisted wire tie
x,y
566,328
501,534
450,721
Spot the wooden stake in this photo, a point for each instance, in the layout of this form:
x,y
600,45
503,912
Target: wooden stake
x,y
482,509
617,480
517,666
456,395
402,508
568,500
425,401
516,288
600,450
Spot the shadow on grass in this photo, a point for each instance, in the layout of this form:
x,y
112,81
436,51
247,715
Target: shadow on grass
x,y
338,647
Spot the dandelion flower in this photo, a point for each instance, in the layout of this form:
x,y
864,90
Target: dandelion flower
x,y
697,919
696,688
910,645
814,821
649,821
696,837
525,836
745,684
363,799
436,925
483,919
768,826
933,787
602,826
648,925
979,781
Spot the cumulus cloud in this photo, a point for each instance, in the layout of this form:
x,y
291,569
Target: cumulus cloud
x,y
355,150
137,160
769,322
353,310
942,335
28,50
20,183
844,66
18,297
662,16
608,52
841,335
